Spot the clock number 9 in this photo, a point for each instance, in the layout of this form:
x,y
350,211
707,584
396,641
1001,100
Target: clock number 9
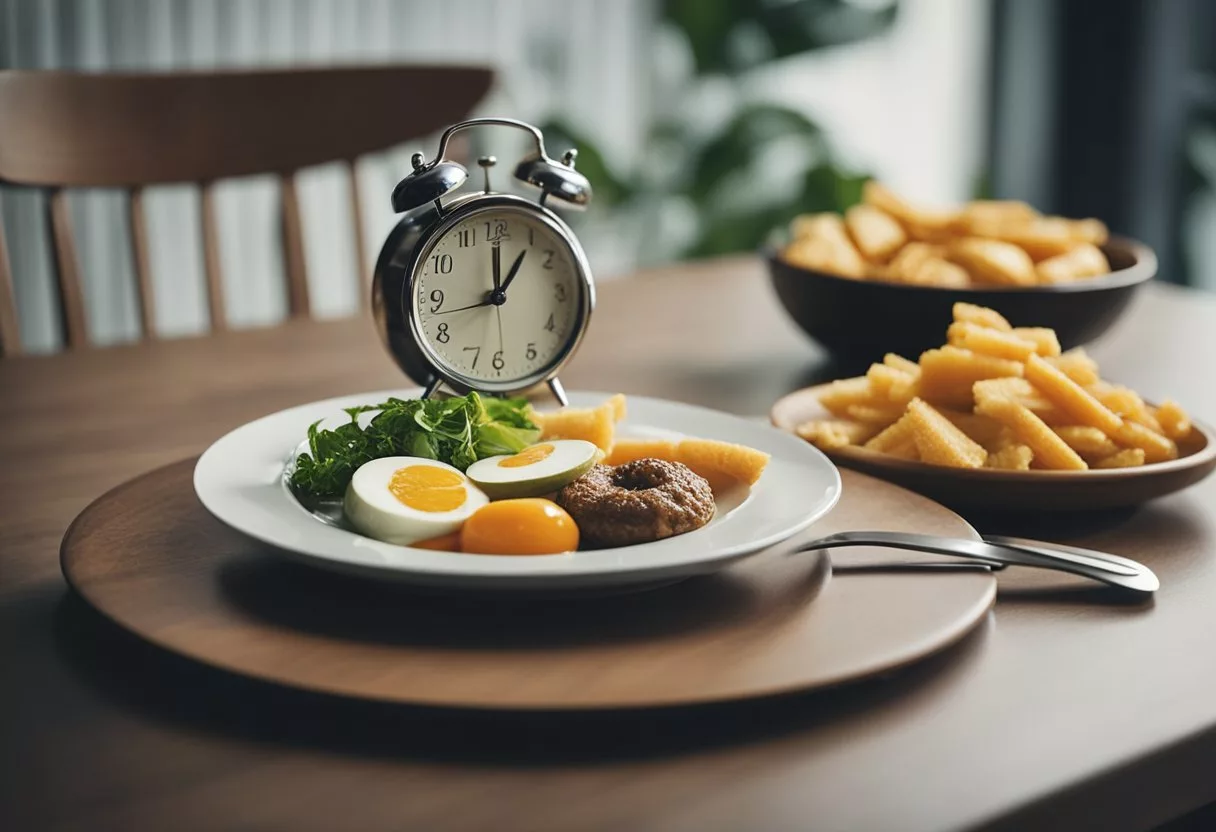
x,y
437,299
442,335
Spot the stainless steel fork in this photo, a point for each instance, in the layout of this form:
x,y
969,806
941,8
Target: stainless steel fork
x,y
998,552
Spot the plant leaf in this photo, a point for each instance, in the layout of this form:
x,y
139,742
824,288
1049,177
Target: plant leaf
x,y
743,140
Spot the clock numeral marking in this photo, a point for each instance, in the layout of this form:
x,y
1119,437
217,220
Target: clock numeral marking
x,y
467,237
437,299
549,326
442,335
497,362
442,263
531,352
560,292
548,261
496,231
476,355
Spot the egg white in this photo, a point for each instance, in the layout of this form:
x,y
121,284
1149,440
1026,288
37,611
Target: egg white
x,y
571,458
374,511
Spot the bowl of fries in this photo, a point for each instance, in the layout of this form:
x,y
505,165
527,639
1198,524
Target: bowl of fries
x,y
883,276
1000,417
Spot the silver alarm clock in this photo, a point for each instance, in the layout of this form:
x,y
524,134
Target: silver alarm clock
x,y
484,291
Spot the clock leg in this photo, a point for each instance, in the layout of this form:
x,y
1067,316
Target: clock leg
x,y
432,387
558,391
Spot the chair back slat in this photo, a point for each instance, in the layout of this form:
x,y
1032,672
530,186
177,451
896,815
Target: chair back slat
x,y
67,271
10,330
211,258
117,130
363,272
293,248
142,261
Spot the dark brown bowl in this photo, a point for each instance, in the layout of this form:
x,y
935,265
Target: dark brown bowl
x,y
860,320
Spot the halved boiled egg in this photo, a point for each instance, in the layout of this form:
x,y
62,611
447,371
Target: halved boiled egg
x,y
537,469
404,499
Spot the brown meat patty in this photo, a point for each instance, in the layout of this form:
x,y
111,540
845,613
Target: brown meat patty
x,y
640,501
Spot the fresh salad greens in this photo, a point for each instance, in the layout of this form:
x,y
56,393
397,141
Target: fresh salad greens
x,y
458,431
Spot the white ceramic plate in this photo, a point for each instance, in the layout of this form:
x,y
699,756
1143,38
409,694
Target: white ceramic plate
x,y
240,481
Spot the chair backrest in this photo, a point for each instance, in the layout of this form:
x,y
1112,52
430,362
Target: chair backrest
x,y
62,130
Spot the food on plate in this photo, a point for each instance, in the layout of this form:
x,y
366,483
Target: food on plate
x,y
739,462
721,463
449,542
628,449
638,502
457,431
939,441
983,243
401,499
527,526
997,396
537,469
596,425
481,483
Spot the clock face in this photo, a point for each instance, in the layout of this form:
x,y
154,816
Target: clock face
x,y
499,296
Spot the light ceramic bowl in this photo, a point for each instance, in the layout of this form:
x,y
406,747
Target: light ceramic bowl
x,y
994,490
240,480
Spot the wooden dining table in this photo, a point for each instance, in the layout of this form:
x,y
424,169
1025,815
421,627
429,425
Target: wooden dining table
x,y
1069,708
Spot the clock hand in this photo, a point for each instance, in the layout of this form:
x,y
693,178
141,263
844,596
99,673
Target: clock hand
x,y
498,309
496,267
486,302
514,270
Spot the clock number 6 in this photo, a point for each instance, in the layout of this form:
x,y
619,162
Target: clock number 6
x,y
442,335
497,361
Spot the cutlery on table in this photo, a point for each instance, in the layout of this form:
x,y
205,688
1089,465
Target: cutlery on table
x,y
995,552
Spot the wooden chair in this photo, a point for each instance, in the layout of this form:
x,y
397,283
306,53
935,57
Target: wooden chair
x,y
62,130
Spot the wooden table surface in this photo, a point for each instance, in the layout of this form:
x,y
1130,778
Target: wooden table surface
x,y
1069,709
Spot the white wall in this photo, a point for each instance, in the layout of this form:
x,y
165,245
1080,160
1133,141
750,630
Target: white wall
x,y
910,106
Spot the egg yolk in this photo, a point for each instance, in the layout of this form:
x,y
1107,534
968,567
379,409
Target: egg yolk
x,y
529,526
528,456
428,488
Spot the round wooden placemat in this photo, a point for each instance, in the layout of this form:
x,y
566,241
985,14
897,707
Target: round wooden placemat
x,y
148,556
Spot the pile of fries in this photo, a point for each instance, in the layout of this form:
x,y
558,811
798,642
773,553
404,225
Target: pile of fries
x,y
997,396
988,243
